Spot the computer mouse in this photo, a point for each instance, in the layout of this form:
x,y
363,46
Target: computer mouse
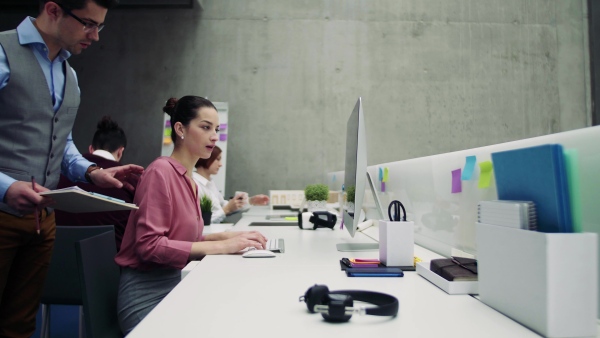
x,y
258,254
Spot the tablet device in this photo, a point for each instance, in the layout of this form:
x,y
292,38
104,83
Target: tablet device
x,y
374,272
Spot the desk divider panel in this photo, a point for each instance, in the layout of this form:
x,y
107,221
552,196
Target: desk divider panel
x,y
445,217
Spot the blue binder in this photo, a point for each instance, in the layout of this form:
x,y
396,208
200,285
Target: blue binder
x,y
536,174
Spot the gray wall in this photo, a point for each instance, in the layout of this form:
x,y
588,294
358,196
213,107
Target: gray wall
x,y
435,76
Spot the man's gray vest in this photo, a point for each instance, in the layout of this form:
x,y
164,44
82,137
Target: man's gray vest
x,y
32,136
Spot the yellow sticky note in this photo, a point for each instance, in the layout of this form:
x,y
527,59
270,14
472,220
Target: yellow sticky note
x,y
485,175
385,175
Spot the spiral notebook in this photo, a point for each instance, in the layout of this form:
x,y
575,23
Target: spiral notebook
x,y
514,214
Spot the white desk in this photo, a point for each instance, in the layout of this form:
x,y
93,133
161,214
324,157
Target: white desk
x,y
231,296
267,211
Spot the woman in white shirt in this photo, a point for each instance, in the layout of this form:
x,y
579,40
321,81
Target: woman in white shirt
x,y
205,168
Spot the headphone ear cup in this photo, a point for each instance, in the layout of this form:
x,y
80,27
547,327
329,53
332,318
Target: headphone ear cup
x,y
315,295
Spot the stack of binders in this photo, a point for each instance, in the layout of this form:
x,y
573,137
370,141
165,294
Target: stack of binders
x,y
514,214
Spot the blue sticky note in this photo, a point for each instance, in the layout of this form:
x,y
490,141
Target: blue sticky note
x,y
380,174
469,168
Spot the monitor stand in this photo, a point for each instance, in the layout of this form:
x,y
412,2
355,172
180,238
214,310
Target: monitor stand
x,y
353,247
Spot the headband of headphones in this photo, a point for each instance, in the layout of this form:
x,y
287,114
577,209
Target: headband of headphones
x,y
338,306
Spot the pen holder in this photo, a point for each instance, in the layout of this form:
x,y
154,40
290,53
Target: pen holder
x,y
396,243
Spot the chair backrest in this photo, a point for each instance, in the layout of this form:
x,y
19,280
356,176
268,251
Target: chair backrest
x,y
62,284
100,283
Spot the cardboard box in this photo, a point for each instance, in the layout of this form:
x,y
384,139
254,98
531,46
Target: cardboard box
x,y
545,281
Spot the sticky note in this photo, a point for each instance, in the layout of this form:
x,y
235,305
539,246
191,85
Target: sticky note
x,y
456,182
333,179
222,137
385,175
380,174
485,176
469,168
382,186
167,132
223,126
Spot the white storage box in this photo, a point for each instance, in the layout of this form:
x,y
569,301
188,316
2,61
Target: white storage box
x,y
545,281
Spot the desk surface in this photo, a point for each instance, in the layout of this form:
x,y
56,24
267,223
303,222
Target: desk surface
x,y
232,296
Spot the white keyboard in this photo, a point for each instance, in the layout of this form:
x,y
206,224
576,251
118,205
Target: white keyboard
x,y
276,245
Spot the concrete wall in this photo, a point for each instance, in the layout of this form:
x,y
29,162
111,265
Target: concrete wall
x,y
435,76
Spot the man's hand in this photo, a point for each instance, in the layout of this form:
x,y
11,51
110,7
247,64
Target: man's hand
x,y
23,198
124,176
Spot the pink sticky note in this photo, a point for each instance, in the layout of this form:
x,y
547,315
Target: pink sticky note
x,y
456,181
223,126
382,186
222,137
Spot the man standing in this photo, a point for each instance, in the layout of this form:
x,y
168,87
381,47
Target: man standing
x,y
39,97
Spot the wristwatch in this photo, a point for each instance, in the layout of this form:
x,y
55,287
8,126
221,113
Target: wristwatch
x,y
89,171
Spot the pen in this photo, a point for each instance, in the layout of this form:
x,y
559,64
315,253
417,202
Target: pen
x,y
36,212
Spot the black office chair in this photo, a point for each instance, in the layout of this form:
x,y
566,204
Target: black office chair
x,y
62,284
99,276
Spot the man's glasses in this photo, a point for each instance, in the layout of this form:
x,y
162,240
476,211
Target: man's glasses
x,y
87,26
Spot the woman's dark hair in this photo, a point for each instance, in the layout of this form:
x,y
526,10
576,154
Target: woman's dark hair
x,y
184,110
109,136
79,4
207,162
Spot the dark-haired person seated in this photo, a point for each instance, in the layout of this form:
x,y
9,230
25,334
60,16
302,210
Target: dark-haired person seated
x,y
207,167
166,232
106,151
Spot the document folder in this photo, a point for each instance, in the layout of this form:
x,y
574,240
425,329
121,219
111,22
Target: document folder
x,y
536,174
76,200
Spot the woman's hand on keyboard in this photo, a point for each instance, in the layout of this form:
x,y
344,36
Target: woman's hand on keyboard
x,y
228,242
239,243
244,239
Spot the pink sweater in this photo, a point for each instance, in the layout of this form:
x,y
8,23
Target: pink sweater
x,y
160,233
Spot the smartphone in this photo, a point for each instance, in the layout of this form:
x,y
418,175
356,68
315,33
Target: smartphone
x,y
374,272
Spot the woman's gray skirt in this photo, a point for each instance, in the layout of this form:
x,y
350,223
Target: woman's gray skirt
x,y
140,292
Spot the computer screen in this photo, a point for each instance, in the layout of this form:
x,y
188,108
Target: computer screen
x,y
356,177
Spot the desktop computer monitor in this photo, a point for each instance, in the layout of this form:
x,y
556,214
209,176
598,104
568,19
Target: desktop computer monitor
x,y
356,178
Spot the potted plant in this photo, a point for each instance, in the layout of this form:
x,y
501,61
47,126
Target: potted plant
x,y
316,196
350,195
206,209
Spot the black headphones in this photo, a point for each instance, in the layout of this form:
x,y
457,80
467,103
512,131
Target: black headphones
x,y
319,219
338,306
